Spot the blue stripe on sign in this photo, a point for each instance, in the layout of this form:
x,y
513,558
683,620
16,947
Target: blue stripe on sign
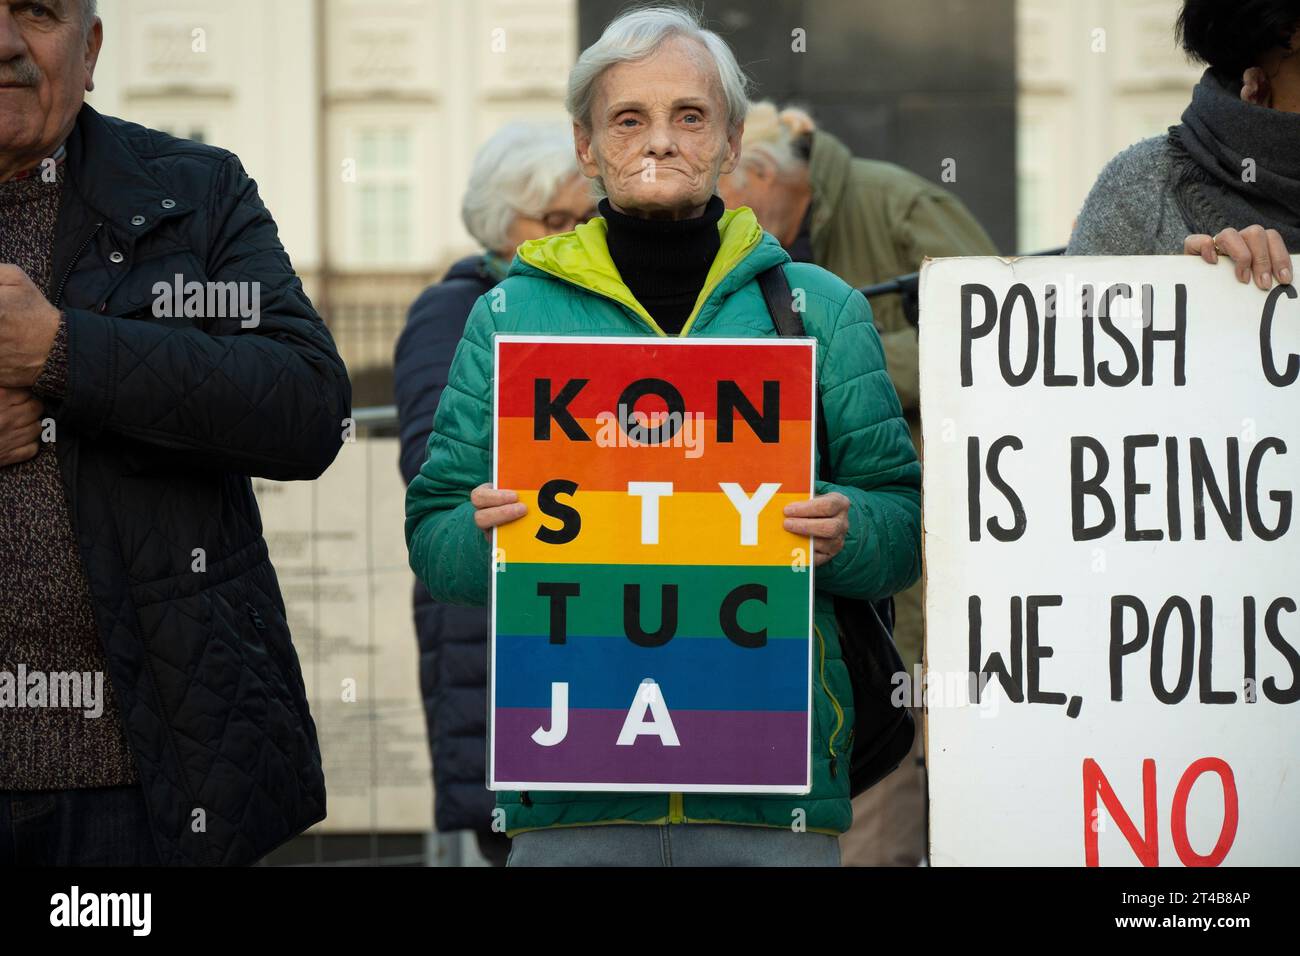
x,y
703,673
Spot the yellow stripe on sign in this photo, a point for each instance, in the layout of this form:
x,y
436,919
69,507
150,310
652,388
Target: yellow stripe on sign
x,y
693,528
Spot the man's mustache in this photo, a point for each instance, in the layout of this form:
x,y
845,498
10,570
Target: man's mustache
x,y
19,73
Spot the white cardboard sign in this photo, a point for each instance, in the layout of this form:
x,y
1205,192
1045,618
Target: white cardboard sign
x,y
1112,458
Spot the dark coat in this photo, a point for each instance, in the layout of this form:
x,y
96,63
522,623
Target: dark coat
x,y
162,424
453,640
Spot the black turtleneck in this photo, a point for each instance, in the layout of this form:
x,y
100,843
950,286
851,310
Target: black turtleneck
x,y
664,262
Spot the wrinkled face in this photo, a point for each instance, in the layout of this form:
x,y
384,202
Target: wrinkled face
x,y
659,137
571,206
47,61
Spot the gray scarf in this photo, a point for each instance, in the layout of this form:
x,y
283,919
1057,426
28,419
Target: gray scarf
x,y
1218,134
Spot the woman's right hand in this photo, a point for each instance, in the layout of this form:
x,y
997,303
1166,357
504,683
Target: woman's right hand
x,y
494,508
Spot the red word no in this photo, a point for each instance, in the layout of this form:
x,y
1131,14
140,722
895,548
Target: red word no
x,y
1146,844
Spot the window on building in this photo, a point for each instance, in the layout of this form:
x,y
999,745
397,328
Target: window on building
x,y
1032,153
385,176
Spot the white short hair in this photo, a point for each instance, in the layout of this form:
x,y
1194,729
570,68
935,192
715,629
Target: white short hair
x,y
636,35
516,172
773,134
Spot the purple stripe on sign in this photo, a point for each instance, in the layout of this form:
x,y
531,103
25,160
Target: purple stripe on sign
x,y
717,748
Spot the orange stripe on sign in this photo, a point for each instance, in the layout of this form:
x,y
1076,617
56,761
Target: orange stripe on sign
x,y
693,459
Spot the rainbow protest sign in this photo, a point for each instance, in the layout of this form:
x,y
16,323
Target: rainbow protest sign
x,y
651,617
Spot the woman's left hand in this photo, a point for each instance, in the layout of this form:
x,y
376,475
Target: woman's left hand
x,y
825,518
1254,251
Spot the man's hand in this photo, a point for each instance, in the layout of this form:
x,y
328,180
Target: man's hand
x,y
20,425
1254,251
495,508
28,325
824,518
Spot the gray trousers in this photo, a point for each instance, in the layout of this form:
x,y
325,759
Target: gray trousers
x,y
676,844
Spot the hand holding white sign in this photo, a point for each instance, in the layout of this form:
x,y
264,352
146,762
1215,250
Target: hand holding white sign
x,y
1254,251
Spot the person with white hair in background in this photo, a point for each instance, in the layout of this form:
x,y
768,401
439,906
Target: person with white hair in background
x,y
866,221
524,185
658,106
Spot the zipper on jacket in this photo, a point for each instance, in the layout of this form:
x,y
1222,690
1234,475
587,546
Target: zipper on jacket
x,y
676,811
58,296
839,711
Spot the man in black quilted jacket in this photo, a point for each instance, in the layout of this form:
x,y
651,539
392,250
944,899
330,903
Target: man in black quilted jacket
x,y
156,352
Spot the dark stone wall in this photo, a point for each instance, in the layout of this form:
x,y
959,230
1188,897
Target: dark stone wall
x,y
912,82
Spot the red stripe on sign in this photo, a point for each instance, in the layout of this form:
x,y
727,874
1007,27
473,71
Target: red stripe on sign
x,y
698,372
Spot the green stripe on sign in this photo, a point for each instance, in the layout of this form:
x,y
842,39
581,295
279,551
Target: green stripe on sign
x,y
598,609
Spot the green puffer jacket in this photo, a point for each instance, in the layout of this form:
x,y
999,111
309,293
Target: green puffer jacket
x,y
568,285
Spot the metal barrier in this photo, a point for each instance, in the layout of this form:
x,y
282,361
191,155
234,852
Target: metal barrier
x,y
909,287
380,417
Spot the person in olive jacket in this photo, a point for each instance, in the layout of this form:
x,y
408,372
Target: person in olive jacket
x,y
156,352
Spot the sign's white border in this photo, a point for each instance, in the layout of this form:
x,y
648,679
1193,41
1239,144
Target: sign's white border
x,y
641,340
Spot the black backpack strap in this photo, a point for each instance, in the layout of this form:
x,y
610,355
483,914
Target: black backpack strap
x,y
780,302
789,324
882,734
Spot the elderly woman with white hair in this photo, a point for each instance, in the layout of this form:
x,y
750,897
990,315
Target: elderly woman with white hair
x,y
658,106
524,185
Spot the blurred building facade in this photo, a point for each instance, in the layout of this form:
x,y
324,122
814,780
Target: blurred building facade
x,y
359,118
